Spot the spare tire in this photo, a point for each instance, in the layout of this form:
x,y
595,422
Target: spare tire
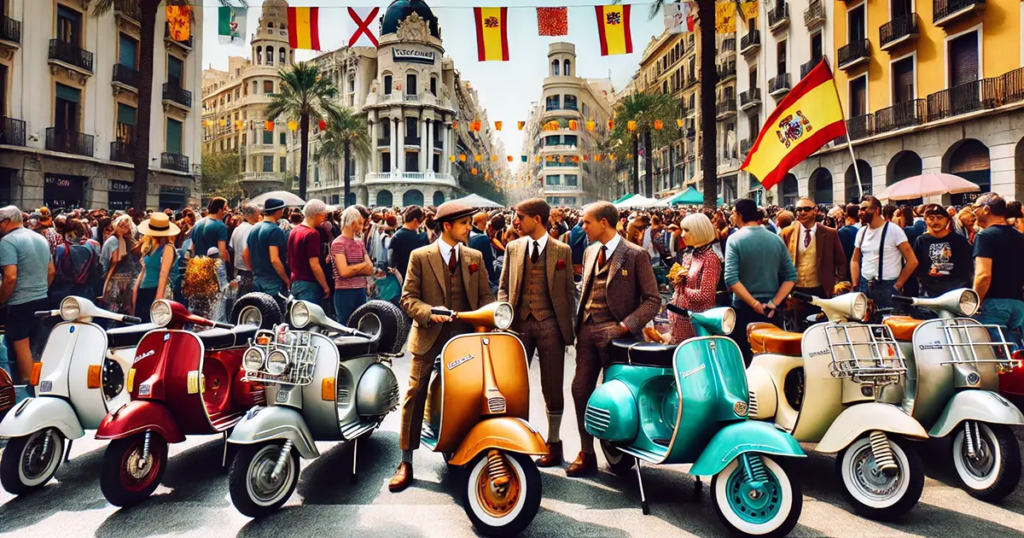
x,y
254,304
385,320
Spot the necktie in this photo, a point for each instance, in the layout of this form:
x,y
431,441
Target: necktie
x,y
453,263
536,252
807,238
601,258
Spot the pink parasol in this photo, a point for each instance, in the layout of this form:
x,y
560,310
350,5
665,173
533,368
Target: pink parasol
x,y
927,185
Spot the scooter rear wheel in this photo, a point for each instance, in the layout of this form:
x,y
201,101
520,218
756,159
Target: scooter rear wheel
x,y
25,467
772,515
873,494
995,470
124,482
253,492
502,514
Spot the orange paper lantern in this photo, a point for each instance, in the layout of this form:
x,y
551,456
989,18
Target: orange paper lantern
x,y
509,158
455,125
462,157
590,125
494,158
478,157
679,123
658,124
573,125
451,158
521,124
323,125
497,125
631,125
268,125
611,124
473,170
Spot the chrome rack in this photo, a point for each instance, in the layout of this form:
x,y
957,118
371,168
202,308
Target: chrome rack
x,y
297,348
865,353
965,349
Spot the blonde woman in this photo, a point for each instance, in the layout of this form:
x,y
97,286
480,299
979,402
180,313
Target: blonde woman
x,y
696,284
963,224
159,263
120,265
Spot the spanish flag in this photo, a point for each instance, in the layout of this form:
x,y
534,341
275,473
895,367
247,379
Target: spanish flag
x,y
807,119
613,29
304,28
491,33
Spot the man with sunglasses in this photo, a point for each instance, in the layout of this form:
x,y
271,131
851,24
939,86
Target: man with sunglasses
x,y
817,254
998,257
883,259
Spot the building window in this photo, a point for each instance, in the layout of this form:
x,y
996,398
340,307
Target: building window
x,y
282,58
552,140
410,84
571,140
268,86
284,139
410,129
387,84
964,63
270,55
259,55
553,180
584,109
268,138
175,69
174,130
858,96
565,68
571,180
433,86
125,123
817,49
255,87
268,163
553,102
855,24
903,80
128,51
780,51
69,25
283,164
554,68
570,102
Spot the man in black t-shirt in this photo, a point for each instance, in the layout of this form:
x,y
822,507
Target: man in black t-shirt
x,y
946,259
998,262
407,239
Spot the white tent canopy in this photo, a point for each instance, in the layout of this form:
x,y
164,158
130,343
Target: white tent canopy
x,y
476,201
637,201
289,199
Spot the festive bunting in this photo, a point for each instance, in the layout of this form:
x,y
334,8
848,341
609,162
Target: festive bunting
x,y
231,25
451,158
497,125
725,17
678,17
573,125
476,125
179,22
597,157
552,21
590,125
521,124
749,9
491,33
524,158
360,28
455,124
322,125
509,158
478,157
223,123
462,157
611,125
613,29
268,125
494,158
631,125
658,124
473,170
292,126
679,123
304,27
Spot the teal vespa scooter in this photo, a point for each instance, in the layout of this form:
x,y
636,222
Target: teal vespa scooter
x,y
664,404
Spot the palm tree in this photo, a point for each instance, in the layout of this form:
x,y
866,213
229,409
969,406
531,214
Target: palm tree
x,y
148,10
304,96
346,134
644,109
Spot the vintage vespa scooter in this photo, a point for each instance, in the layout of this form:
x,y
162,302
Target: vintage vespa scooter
x,y
7,395
953,365
79,380
667,404
320,387
823,386
477,409
181,383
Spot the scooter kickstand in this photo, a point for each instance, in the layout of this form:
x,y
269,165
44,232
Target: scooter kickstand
x,y
640,480
67,453
224,456
355,453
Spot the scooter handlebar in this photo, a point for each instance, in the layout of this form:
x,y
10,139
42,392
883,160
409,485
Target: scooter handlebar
x,y
442,311
131,319
221,325
902,299
802,296
677,310
47,313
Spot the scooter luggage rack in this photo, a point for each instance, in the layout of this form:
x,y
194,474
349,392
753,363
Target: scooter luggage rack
x,y
963,347
301,359
884,363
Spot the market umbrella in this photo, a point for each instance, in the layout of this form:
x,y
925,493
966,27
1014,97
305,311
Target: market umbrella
x,y
290,199
928,185
636,200
475,201
690,196
624,198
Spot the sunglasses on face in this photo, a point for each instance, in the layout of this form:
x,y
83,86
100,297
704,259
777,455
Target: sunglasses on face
x,y
804,209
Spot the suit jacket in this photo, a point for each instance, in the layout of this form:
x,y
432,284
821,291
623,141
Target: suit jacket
x,y
631,287
482,243
561,286
831,256
425,287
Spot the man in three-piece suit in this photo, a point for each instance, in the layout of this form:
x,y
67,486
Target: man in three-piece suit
x,y
817,254
537,280
445,273
620,296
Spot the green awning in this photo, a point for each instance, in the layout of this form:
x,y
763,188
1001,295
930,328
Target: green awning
x,y
624,198
690,196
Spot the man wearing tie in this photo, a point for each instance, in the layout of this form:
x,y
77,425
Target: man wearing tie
x,y
620,296
537,280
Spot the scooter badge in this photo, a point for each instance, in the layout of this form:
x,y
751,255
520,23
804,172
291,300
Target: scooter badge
x,y
459,362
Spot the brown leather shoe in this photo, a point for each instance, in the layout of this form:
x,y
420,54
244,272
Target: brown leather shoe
x,y
584,465
554,456
402,478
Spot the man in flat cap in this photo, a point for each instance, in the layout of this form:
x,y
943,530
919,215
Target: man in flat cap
x,y
444,273
265,251
537,280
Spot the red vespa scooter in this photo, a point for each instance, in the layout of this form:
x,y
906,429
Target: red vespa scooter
x,y
1011,382
181,383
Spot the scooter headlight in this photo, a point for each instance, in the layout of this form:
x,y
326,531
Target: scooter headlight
x,y
859,307
70,309
728,321
503,316
160,313
253,359
300,315
968,302
277,363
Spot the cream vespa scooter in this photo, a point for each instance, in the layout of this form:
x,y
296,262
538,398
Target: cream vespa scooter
x,y
822,386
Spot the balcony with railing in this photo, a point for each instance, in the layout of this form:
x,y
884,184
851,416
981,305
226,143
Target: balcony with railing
x,y
412,141
177,96
901,115
438,144
122,151
1013,86
128,9
12,132
384,142
726,71
964,98
778,17
779,85
185,46
806,68
854,53
814,15
691,80
69,142
897,31
728,45
125,77
945,12
725,108
70,55
750,98
750,42
691,131
174,161
10,33
861,126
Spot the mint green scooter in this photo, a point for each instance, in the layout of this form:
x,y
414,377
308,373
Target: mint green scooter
x,y
664,404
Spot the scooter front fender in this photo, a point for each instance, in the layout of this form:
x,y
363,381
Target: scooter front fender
x,y
137,416
742,437
262,424
980,405
36,414
857,419
503,433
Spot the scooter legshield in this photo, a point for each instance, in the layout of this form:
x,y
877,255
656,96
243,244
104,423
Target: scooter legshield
x,y
137,416
612,413
262,424
742,437
503,433
36,414
980,405
861,418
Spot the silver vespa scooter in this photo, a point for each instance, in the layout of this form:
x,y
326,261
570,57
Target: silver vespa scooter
x,y
324,382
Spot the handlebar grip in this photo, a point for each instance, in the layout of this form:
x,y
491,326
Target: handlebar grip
x,y
677,310
902,299
131,319
45,313
221,325
441,311
802,296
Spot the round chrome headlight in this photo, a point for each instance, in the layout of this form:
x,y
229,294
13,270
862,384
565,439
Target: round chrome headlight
x,y
503,316
277,362
160,313
728,321
968,302
70,309
859,307
253,359
300,315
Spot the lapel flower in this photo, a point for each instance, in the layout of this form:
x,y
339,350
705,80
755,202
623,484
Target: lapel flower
x,y
473,267
560,264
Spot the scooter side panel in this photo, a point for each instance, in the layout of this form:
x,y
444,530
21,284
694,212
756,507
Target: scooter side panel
x,y
823,394
980,405
503,433
138,416
35,414
861,418
934,380
740,438
90,404
56,360
262,424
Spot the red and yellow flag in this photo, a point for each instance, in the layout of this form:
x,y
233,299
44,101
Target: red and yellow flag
x,y
491,33
179,22
807,119
613,29
304,27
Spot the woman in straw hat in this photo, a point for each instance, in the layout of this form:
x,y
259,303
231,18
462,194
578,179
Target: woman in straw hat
x,y
159,263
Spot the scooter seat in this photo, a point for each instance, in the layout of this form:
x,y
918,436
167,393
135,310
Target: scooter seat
x,y
902,327
217,339
767,338
641,353
128,336
350,347
244,333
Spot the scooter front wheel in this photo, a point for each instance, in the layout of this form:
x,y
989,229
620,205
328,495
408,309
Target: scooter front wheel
x,y
29,462
502,492
128,478
993,471
874,493
621,463
254,490
770,509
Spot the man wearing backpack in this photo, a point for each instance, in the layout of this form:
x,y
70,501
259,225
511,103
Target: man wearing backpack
x,y
78,264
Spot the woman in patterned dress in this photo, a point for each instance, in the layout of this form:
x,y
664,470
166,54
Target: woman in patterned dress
x,y
696,284
122,266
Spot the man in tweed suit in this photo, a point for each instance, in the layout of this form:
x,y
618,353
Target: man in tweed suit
x,y
445,273
537,280
620,296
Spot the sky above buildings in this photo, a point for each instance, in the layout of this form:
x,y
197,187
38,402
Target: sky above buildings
x,y
506,89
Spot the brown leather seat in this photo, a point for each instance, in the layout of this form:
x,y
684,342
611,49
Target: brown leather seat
x,y
902,327
767,338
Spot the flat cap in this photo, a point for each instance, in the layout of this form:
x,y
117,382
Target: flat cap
x,y
535,207
452,211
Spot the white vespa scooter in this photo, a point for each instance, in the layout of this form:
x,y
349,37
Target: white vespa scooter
x,y
79,380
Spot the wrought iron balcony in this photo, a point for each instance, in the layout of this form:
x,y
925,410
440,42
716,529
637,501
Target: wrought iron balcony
x,y
174,161
750,98
728,45
126,76
854,53
750,42
10,30
945,12
964,98
778,17
69,142
12,132
128,9
898,30
691,80
177,95
412,141
122,152
725,108
71,54
1013,86
691,132
726,71
806,68
779,85
814,15
860,126
899,116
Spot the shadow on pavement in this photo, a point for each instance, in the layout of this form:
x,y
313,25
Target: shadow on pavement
x,y
76,488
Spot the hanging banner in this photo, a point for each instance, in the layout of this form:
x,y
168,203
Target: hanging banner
x,y
231,25
725,17
552,21
179,22
679,18
360,28
491,33
613,29
749,10
304,28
